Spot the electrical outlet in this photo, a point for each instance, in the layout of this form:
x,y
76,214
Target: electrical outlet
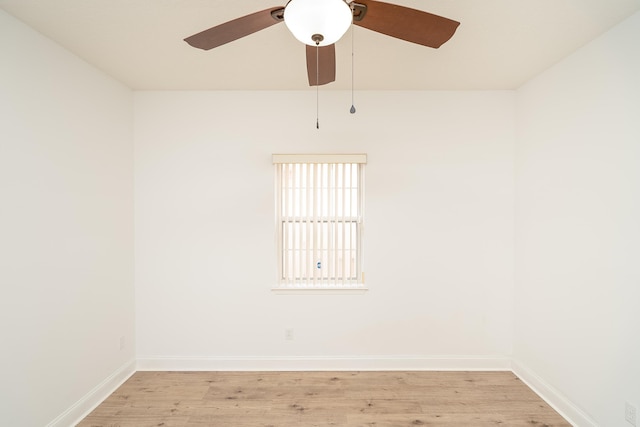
x,y
288,334
630,413
122,342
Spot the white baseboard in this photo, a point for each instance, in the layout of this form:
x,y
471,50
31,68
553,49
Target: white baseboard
x,y
553,397
347,363
91,400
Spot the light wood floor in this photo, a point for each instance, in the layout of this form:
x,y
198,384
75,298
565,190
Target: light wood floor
x,y
380,399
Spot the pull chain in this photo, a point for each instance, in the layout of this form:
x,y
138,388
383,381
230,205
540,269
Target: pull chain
x,y
352,110
317,84
317,38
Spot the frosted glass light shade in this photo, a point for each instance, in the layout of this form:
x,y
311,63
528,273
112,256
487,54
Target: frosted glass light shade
x,y
329,18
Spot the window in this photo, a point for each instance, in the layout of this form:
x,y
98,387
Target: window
x,y
319,215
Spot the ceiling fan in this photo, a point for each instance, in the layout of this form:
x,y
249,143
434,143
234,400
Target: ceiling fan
x,y
321,23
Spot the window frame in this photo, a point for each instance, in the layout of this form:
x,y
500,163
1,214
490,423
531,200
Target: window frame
x,y
309,281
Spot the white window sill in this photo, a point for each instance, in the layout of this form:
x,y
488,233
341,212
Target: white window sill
x,y
325,291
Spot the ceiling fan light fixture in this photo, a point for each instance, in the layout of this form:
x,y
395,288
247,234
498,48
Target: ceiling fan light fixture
x,y
306,19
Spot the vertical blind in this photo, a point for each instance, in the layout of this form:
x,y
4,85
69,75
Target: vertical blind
x,y
319,213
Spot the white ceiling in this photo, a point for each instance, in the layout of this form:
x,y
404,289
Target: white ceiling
x,y
500,44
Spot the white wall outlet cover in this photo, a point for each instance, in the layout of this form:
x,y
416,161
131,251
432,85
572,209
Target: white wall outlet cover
x,y
288,334
630,413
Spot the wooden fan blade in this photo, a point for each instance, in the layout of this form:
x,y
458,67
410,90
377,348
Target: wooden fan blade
x,y
238,28
407,24
326,73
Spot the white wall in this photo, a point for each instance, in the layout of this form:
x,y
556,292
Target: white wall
x,y
578,227
439,227
66,227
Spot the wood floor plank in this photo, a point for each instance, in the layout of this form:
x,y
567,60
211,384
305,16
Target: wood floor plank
x,y
445,420
372,406
283,399
135,422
